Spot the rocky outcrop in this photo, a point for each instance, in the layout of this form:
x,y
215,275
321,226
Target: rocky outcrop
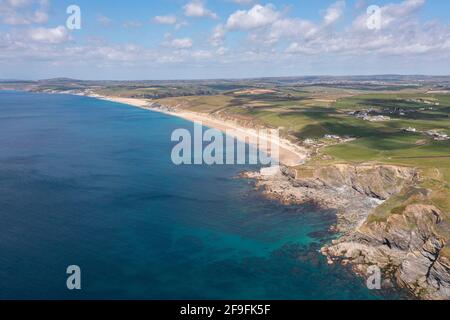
x,y
408,247
408,244
353,191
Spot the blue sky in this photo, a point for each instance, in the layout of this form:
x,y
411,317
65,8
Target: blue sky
x,y
192,39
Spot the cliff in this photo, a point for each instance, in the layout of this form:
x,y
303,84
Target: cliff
x,y
353,191
385,218
409,246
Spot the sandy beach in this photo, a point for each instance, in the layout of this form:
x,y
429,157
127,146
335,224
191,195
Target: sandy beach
x,y
289,153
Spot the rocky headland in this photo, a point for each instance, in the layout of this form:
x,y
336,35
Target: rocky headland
x,y
384,218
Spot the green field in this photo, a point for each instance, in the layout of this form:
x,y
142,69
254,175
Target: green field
x,y
303,115
312,112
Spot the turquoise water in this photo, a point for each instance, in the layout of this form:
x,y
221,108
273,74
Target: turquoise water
x,y
91,183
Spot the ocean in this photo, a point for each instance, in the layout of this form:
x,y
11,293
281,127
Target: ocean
x,y
91,183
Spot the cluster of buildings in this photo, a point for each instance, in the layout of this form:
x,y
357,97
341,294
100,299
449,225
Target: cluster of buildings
x,y
438,136
375,115
398,111
332,136
320,143
369,115
424,101
435,134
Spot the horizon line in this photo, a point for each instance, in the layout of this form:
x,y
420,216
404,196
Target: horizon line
x,y
234,78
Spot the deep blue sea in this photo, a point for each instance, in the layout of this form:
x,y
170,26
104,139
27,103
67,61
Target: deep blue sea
x,y
91,183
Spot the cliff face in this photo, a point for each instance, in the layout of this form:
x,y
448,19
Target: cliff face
x,y
353,191
378,182
385,219
408,247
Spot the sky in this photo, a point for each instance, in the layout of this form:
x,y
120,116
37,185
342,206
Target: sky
x,y
212,39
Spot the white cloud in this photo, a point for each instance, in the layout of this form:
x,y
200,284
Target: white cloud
x,y
278,38
202,54
181,43
168,19
402,33
49,35
293,28
18,3
268,25
392,14
243,1
334,12
24,12
256,17
197,9
218,35
298,48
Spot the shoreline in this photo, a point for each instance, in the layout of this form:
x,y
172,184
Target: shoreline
x,y
289,154
354,191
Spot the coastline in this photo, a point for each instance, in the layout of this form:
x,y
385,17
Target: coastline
x,y
289,154
352,207
121,183
355,192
